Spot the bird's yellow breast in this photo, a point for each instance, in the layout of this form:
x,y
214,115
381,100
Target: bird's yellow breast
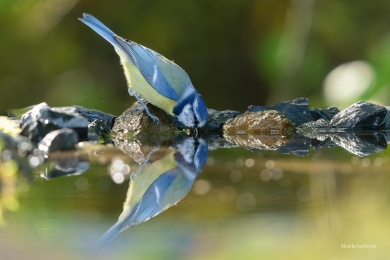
x,y
143,89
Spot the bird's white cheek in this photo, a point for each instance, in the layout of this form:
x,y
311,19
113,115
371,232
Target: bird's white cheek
x,y
187,150
187,116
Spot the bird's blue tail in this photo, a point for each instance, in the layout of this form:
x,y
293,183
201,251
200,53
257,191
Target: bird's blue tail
x,y
99,27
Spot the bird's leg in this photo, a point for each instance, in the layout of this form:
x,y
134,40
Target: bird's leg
x,y
154,118
134,175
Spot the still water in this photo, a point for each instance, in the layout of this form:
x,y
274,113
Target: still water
x,y
190,203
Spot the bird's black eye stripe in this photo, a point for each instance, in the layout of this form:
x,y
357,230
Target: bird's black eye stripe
x,y
196,121
196,144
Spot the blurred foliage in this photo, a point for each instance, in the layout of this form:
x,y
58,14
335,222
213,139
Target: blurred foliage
x,y
8,183
237,53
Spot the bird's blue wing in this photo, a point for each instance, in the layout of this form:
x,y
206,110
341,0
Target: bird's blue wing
x,y
152,202
174,74
146,61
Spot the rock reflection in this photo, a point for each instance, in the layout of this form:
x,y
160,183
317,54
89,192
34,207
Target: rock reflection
x,y
65,166
161,184
361,143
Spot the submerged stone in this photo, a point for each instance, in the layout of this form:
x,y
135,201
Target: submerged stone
x,y
59,140
41,120
360,115
296,110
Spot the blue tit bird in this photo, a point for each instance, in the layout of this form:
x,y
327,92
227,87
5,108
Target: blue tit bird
x,y
160,184
154,78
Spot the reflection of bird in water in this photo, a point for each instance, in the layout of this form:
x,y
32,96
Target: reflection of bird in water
x,y
161,184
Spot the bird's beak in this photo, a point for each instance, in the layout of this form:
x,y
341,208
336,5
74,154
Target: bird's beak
x,y
195,132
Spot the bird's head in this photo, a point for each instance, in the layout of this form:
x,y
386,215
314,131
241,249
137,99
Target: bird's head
x,y
191,110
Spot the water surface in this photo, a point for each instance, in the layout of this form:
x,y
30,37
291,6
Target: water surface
x,y
243,204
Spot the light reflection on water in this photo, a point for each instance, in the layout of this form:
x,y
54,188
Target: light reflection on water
x,y
246,204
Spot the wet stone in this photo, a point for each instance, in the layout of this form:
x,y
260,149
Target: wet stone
x,y
135,123
99,131
259,130
315,129
41,120
90,114
296,110
59,140
266,122
360,115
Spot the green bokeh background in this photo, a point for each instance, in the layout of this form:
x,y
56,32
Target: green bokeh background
x,y
237,53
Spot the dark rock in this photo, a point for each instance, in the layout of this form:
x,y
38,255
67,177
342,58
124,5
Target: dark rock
x,y
59,140
386,121
217,119
41,120
361,115
327,113
319,132
320,123
316,129
99,131
90,114
296,110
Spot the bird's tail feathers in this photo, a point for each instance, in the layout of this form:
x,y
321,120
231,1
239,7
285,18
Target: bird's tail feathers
x,y
99,27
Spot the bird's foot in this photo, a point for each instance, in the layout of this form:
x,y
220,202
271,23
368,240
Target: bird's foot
x,y
144,107
134,175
